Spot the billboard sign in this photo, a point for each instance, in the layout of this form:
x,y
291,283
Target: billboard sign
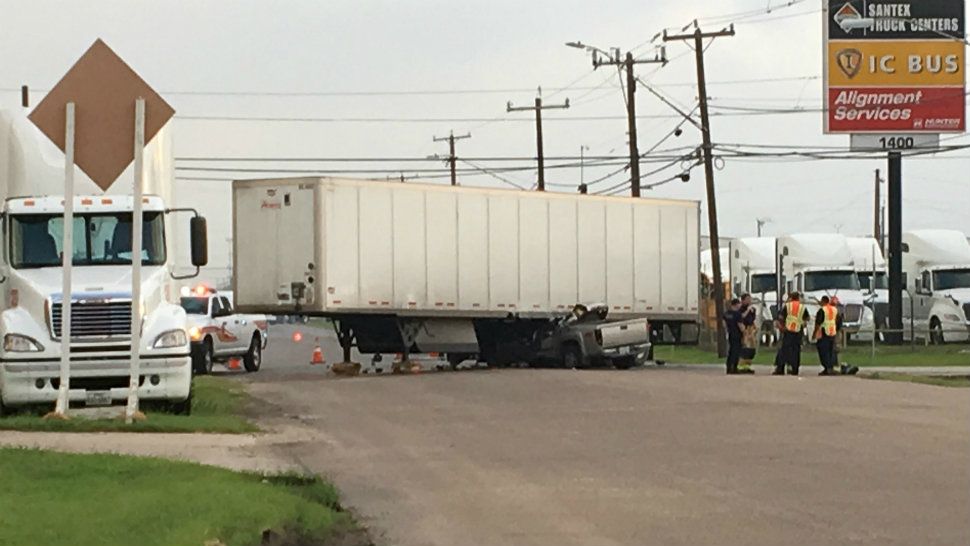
x,y
895,67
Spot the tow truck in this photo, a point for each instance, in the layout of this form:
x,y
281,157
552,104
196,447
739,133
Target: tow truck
x,y
219,334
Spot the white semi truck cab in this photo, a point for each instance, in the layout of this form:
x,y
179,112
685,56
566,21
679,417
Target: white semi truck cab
x,y
31,273
936,264
819,265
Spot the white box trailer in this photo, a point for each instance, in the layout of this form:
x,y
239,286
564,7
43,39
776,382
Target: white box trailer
x,y
367,251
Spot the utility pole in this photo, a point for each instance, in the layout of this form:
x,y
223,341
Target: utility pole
x,y
538,110
877,212
452,159
613,59
698,38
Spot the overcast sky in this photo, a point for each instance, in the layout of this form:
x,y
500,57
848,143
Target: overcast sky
x,y
501,49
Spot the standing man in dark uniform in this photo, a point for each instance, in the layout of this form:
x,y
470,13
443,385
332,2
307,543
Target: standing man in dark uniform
x,y
732,323
828,324
749,334
791,321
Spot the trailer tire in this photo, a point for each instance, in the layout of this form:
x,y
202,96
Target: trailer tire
x,y
253,358
572,357
202,358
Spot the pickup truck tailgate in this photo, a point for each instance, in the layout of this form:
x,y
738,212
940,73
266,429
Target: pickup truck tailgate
x,y
625,333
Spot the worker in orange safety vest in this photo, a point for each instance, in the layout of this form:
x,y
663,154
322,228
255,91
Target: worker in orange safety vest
x,y
828,323
791,320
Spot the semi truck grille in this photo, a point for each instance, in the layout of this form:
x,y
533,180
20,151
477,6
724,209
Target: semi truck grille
x,y
94,320
853,312
966,311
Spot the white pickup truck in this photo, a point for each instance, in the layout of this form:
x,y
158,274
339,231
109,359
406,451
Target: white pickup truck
x,y
219,334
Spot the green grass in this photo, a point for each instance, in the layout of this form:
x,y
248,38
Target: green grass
x,y
939,381
78,500
217,405
859,355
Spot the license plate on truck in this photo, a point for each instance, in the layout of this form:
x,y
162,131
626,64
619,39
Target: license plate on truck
x,y
97,398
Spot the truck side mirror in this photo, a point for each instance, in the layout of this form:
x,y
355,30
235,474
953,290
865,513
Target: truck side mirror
x,y
200,243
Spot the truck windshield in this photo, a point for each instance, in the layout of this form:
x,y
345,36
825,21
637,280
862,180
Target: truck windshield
x,y
195,306
763,282
865,281
99,239
951,278
831,280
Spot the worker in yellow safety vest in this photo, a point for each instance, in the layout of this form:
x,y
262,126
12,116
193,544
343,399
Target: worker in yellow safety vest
x,y
791,321
828,323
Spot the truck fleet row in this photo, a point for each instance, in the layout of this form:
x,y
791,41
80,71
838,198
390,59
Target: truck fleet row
x,y
936,269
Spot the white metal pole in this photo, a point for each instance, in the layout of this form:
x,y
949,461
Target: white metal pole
x,y
136,238
67,260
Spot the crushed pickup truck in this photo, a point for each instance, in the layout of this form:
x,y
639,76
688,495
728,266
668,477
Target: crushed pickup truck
x,y
219,334
585,338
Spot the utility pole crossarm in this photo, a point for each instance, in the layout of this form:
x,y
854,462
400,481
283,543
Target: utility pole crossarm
x,y
683,37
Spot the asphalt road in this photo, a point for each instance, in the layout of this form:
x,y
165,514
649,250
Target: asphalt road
x,y
681,456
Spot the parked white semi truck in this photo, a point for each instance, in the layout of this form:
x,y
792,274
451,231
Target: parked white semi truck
x,y
31,187
819,265
752,266
936,264
870,265
471,272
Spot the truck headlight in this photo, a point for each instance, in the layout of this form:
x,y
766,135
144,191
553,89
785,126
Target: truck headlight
x,y
170,339
952,318
195,334
16,343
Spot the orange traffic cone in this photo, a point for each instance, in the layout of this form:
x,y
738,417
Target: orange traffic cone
x,y
317,358
234,363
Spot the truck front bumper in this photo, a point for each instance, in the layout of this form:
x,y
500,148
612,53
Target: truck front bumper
x,y
37,381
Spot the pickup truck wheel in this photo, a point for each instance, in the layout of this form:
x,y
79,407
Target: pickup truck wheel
x,y
253,359
572,357
202,358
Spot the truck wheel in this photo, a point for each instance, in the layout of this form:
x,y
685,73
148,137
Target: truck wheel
x,y
202,359
936,332
181,408
572,357
4,410
253,359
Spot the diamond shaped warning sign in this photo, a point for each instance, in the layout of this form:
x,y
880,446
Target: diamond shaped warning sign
x,y
104,90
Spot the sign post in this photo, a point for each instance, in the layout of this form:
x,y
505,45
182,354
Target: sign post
x,y
894,80
67,260
131,410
